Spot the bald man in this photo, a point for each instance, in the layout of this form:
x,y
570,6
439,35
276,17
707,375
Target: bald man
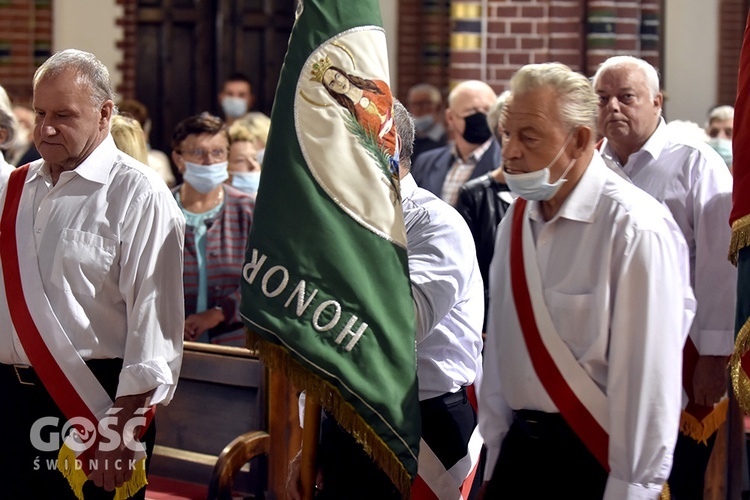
x,y
474,151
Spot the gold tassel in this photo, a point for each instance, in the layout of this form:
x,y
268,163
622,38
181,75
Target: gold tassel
x,y
277,357
665,493
66,464
740,237
740,380
137,481
704,429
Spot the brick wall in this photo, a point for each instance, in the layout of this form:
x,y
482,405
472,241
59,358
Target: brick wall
x,y
492,44
25,42
423,48
127,46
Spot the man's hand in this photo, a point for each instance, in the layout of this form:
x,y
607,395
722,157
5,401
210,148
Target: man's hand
x,y
196,324
114,466
294,481
293,484
710,380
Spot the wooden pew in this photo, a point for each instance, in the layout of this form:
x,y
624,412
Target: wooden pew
x,y
220,395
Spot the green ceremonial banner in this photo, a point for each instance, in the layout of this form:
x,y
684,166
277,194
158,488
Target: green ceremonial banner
x,y
325,288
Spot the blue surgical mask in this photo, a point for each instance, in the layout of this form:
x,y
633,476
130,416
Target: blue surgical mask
x,y
423,123
205,178
234,107
535,185
723,147
246,181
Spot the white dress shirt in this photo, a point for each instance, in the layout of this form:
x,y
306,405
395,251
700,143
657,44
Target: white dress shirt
x,y
448,292
5,170
109,237
693,182
613,267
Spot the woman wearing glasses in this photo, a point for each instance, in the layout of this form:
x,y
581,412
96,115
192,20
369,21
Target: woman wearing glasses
x,y
218,219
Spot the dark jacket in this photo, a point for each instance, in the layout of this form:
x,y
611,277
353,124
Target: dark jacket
x,y
480,205
431,168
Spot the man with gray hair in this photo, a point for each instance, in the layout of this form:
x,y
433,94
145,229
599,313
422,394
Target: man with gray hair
x,y
473,152
91,307
692,181
8,128
589,308
425,105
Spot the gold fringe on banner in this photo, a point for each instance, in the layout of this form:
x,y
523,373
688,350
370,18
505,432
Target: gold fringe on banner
x,y
740,237
277,358
740,380
665,493
67,465
704,429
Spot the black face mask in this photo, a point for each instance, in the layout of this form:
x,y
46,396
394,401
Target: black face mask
x,y
477,131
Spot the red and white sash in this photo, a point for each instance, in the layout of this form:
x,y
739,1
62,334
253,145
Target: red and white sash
x,y
435,482
65,375
580,401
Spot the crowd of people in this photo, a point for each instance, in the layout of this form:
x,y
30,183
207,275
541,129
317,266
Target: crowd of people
x,y
567,254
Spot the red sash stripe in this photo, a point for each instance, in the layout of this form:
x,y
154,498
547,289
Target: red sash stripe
x,y
44,363
571,408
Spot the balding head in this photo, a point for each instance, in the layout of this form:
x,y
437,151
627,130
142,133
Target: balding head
x,y
468,103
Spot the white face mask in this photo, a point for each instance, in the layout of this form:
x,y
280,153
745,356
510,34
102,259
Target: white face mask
x,y
535,185
423,123
246,181
204,178
234,107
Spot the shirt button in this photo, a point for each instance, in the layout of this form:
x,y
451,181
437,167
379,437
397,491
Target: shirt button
x,y
38,230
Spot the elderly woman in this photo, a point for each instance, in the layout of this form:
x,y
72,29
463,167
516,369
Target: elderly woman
x,y
7,132
244,167
218,220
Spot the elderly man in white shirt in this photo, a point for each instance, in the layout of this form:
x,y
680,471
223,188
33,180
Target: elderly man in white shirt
x,y
91,307
589,309
692,181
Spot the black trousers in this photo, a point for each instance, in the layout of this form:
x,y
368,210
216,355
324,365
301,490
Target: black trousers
x,y
542,458
686,481
349,473
27,471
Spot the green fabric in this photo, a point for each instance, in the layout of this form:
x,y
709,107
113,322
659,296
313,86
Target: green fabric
x,y
300,235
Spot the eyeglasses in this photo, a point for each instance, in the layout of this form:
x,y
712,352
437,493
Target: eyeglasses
x,y
715,131
213,155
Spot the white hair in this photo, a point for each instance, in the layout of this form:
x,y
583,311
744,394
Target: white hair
x,y
649,72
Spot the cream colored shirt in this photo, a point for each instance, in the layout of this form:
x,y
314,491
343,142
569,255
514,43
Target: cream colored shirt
x,y
109,237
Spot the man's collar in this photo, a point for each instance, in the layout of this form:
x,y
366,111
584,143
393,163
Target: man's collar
x,y
580,205
653,145
476,154
95,168
408,187
657,141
